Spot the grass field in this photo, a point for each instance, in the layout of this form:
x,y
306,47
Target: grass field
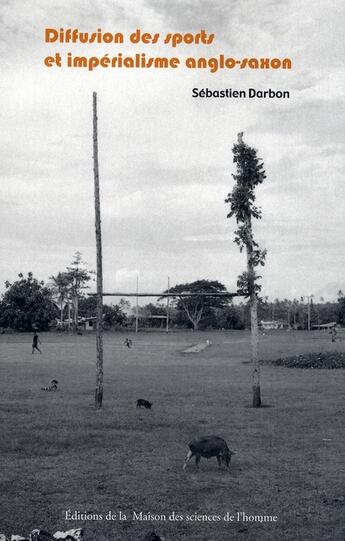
x,y
59,454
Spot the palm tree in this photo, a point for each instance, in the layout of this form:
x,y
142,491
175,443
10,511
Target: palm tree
x,y
60,288
77,276
287,304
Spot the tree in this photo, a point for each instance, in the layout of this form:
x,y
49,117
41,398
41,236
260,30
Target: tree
x,y
250,173
27,305
78,276
198,307
329,311
264,310
112,315
229,318
341,308
287,305
149,314
87,306
60,287
295,306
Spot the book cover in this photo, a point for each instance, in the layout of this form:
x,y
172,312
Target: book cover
x,y
181,161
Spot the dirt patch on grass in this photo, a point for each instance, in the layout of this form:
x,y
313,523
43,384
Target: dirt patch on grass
x,y
325,359
196,348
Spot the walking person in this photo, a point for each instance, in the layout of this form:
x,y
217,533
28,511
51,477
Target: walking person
x,y
334,333
35,342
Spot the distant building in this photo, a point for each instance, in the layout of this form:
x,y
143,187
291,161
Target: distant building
x,y
272,325
325,326
87,323
84,323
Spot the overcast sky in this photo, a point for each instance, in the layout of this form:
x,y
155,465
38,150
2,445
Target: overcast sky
x,y
166,158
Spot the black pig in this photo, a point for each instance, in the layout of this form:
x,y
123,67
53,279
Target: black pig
x,y
145,403
207,447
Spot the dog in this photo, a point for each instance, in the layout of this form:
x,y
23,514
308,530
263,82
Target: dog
x,y
52,387
144,403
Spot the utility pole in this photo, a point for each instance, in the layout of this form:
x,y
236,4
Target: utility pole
x,y
69,313
99,321
76,300
137,307
167,322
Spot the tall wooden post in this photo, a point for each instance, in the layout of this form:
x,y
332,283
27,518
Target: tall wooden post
x,y
254,329
309,306
137,307
69,314
249,174
99,322
76,301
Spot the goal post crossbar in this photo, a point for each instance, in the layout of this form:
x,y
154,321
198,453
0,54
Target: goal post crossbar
x,y
201,294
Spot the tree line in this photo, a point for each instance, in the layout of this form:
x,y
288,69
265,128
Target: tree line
x,y
29,303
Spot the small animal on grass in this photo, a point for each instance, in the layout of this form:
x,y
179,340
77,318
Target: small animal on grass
x,y
15,537
52,387
41,535
76,534
128,342
207,447
152,536
144,403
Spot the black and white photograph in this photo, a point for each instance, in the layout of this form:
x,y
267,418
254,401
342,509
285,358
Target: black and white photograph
x,y
172,287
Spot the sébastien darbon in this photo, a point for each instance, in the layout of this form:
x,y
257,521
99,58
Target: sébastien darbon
x,y
240,94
